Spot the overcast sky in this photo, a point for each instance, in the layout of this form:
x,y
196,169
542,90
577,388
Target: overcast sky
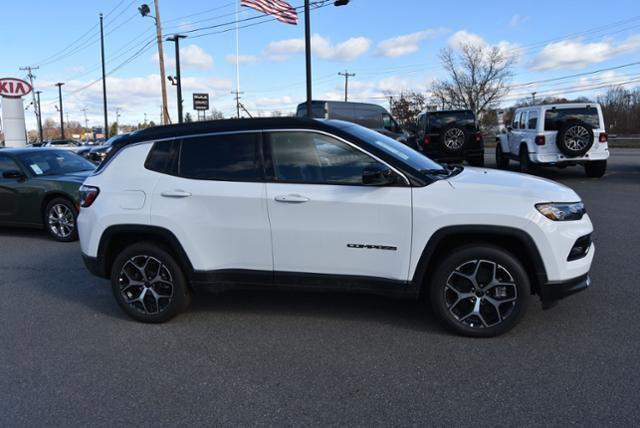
x,y
390,45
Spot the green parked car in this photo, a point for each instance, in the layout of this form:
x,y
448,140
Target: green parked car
x,y
39,188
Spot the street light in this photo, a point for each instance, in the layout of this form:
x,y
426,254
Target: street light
x,y
145,11
59,85
307,47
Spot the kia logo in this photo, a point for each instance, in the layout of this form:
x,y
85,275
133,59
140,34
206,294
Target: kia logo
x,y
14,88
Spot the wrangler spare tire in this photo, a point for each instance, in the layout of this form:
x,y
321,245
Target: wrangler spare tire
x,y
453,139
574,138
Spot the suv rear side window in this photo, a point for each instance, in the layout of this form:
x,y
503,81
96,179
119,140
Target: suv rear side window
x,y
163,157
556,118
532,123
230,157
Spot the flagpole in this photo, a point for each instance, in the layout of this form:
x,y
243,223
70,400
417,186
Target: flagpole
x,y
237,53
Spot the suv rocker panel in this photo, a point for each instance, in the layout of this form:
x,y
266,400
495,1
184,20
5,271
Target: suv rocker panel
x,y
226,279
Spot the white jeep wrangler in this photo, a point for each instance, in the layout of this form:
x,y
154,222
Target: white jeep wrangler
x,y
556,134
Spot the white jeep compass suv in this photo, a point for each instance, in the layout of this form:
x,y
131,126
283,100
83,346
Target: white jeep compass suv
x,y
325,205
556,134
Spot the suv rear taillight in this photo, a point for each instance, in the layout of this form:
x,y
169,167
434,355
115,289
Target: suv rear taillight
x,y
604,137
541,140
478,137
88,195
426,141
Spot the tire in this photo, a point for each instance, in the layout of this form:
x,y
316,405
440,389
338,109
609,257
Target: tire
x,y
157,298
595,169
525,163
453,139
469,305
574,138
502,162
477,161
60,220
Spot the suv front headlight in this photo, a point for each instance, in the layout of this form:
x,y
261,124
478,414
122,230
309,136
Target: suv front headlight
x,y
562,211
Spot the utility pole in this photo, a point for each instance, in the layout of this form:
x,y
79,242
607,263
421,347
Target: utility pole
x,y
86,121
390,103
104,83
39,117
346,75
533,97
117,120
36,106
59,85
307,53
176,39
238,103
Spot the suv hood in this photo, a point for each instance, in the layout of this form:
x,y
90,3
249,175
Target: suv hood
x,y
483,180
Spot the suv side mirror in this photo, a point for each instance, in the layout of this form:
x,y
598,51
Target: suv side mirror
x,y
13,174
509,129
377,174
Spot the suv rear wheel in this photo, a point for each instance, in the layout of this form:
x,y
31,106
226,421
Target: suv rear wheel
x,y
60,220
480,291
595,169
148,283
502,162
524,166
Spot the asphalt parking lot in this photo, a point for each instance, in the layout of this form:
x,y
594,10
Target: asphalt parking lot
x,y
70,357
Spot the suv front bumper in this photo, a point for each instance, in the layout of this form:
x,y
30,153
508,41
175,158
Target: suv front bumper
x,y
552,291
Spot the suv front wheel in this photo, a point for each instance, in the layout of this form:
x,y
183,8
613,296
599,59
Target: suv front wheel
x,y
148,283
480,291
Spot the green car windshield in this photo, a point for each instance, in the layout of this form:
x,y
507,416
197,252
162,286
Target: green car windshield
x,y
54,162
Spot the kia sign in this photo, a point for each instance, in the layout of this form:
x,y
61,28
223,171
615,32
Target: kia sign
x,y
14,88
201,102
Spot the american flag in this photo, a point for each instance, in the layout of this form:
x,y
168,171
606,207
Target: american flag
x,y
283,11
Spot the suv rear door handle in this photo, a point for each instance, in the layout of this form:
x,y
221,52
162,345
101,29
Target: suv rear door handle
x,y
292,199
176,194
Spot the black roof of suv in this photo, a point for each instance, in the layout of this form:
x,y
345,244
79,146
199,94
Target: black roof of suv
x,y
335,127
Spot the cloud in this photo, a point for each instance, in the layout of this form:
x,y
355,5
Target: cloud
x,y
242,59
405,44
320,47
517,20
192,56
464,38
575,54
134,96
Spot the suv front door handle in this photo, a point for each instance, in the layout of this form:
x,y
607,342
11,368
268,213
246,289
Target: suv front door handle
x,y
292,199
175,194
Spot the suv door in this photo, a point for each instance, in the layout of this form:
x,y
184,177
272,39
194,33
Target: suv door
x,y
213,200
9,188
514,134
324,220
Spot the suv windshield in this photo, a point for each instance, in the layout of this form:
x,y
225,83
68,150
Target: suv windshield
x,y
394,148
555,118
50,162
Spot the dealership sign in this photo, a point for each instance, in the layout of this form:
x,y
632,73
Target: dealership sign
x,y
201,102
14,88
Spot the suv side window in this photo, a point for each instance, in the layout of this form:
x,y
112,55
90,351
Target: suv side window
x,y
532,123
229,157
307,157
516,120
523,120
7,164
163,157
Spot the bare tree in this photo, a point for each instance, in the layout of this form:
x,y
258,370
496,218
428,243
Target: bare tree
x,y
407,107
478,77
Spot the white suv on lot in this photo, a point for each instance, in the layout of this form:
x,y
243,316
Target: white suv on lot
x,y
556,134
325,205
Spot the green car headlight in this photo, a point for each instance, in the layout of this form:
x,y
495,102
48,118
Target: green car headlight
x,y
560,211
